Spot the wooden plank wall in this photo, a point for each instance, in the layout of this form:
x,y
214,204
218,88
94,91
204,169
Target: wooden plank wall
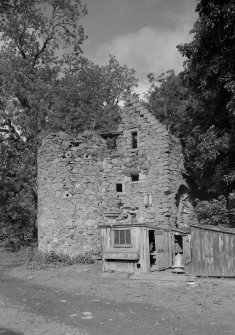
x,y
213,253
163,244
143,236
139,237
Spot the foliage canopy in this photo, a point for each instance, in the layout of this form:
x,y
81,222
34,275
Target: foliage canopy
x,y
45,84
198,104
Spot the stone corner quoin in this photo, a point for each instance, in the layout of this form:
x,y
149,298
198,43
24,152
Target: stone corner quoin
x,y
136,171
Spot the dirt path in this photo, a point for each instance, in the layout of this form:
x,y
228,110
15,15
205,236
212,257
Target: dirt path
x,y
83,300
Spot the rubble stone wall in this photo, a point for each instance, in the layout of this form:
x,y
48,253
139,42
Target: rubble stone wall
x,y
69,184
81,181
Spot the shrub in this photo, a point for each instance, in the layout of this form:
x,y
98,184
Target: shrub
x,y
213,212
38,260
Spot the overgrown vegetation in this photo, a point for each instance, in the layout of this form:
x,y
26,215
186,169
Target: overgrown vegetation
x,y
213,212
198,106
43,261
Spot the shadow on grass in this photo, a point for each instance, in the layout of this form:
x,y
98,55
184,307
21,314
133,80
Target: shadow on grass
x,y
5,331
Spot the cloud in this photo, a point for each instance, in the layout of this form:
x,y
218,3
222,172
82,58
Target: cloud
x,y
140,34
141,7
147,50
142,88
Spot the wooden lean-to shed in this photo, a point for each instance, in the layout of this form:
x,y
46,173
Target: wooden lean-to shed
x,y
135,247
213,251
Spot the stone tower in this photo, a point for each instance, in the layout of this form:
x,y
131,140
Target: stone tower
x,y
88,179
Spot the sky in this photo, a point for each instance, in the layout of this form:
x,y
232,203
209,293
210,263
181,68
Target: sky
x,y
142,34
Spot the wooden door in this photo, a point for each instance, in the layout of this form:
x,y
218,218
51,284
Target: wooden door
x,y
163,249
187,249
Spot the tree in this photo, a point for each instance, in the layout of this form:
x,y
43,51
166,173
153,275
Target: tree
x,y
210,77
44,87
32,32
6,5
209,68
198,104
169,101
88,95
18,195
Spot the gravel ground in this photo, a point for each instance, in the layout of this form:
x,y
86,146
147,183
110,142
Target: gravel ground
x,y
80,299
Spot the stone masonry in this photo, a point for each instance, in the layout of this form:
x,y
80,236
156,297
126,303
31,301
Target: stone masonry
x,y
83,181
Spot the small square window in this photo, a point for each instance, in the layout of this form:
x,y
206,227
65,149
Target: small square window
x,y
135,177
134,139
119,187
122,238
111,142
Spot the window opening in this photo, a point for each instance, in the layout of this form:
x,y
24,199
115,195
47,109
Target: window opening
x,y
148,200
111,142
110,137
122,238
134,139
119,187
135,177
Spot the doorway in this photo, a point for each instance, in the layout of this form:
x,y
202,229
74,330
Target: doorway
x,y
152,250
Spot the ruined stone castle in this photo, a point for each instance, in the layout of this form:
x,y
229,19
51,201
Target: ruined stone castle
x,y
134,175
